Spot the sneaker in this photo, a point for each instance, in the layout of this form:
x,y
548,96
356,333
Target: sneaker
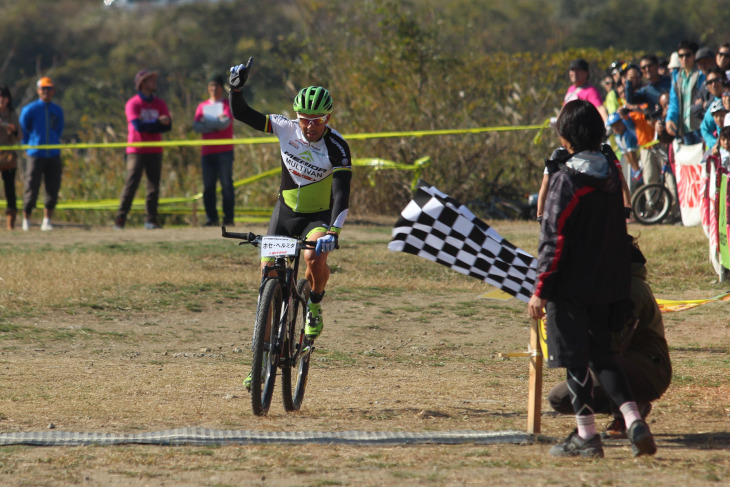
x,y
229,223
642,441
247,382
119,223
210,223
46,225
615,430
26,224
151,226
314,320
574,446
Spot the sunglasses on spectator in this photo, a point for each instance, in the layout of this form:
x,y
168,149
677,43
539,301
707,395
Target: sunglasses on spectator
x,y
686,54
713,81
47,88
316,121
723,54
647,66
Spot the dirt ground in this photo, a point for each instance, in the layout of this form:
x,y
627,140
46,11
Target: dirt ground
x,y
387,361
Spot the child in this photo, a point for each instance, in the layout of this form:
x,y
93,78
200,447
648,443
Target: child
x,y
724,143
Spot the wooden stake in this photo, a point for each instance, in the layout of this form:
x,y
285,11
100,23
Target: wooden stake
x,y
534,404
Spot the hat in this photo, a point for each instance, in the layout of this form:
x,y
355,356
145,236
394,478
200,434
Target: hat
x,y
612,119
580,64
143,75
615,66
217,78
674,61
717,106
44,82
704,53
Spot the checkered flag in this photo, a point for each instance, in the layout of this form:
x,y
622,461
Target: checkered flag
x,y
439,228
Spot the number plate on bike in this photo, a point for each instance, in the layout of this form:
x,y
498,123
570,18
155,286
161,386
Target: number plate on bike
x,y
276,246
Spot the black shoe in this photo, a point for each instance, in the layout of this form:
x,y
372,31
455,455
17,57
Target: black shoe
x,y
642,441
574,446
228,223
211,224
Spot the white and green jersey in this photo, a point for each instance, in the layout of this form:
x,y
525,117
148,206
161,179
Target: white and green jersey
x,y
309,168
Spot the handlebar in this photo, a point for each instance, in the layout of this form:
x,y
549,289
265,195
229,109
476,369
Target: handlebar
x,y
254,239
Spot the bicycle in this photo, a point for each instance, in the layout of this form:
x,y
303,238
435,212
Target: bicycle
x,y
651,203
279,341
504,202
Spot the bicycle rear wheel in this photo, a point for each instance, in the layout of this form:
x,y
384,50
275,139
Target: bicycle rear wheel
x,y
265,357
299,358
651,203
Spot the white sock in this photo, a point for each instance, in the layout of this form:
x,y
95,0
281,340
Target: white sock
x,y
631,413
586,426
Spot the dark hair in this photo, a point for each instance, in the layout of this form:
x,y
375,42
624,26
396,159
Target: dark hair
x,y
581,125
725,45
5,91
687,44
717,70
725,133
651,58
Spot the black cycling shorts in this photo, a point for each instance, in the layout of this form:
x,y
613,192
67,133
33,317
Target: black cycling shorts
x,y
286,222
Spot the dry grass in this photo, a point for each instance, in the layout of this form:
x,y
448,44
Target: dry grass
x,y
145,331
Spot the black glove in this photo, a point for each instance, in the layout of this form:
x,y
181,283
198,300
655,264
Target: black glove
x,y
239,75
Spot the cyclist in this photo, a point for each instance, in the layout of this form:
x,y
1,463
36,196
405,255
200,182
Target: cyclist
x,y
316,169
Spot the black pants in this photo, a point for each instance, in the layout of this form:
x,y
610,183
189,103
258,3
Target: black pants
x,y
9,184
151,165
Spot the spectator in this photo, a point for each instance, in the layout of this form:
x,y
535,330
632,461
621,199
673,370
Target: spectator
x,y
705,59
147,118
681,120
654,84
623,130
615,70
9,135
584,277
722,58
724,143
707,94
644,356
715,87
726,101
580,89
663,67
42,123
213,118
611,102
674,64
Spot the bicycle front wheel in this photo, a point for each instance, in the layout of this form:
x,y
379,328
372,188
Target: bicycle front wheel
x,y
299,359
265,357
651,203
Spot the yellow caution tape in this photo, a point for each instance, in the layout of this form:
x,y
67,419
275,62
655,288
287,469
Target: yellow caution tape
x,y
270,139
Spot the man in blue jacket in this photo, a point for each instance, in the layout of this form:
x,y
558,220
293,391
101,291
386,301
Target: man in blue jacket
x,y
42,124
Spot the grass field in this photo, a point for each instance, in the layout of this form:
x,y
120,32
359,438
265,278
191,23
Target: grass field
x,y
141,331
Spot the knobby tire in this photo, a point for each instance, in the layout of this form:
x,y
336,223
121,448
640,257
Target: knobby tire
x,y
265,360
651,204
297,317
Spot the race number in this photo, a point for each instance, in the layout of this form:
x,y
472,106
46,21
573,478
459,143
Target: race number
x,y
277,246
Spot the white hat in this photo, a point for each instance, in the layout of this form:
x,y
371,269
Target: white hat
x,y
674,61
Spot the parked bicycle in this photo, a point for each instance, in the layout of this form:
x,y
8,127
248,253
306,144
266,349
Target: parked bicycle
x,y
651,203
279,341
504,202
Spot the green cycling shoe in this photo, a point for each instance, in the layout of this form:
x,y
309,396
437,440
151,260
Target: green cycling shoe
x,y
313,328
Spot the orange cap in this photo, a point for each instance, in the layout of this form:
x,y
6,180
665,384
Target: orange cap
x,y
44,82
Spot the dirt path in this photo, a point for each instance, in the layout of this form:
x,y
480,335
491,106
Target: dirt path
x,y
390,360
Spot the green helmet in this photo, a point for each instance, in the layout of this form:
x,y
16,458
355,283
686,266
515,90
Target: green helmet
x,y
314,100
